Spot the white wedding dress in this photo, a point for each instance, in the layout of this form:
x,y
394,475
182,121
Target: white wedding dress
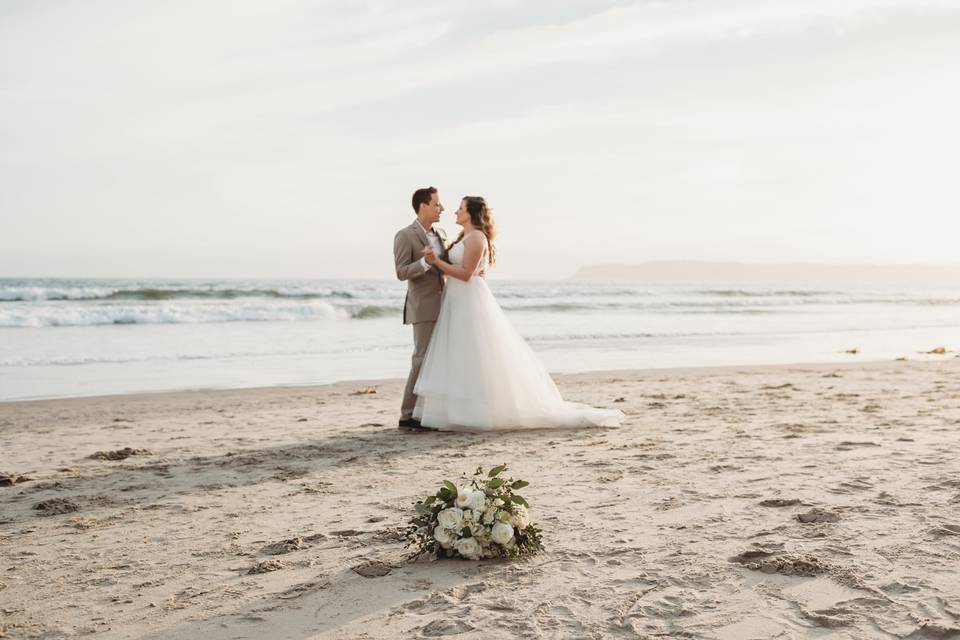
x,y
479,375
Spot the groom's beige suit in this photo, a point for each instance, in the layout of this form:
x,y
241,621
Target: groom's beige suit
x,y
424,291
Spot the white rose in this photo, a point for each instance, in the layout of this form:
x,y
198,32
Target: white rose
x,y
445,537
463,497
521,517
489,515
501,533
451,518
477,501
469,548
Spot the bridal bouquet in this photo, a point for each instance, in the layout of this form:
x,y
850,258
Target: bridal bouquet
x,y
481,518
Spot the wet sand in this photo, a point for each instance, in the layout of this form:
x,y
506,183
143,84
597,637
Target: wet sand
x,y
747,502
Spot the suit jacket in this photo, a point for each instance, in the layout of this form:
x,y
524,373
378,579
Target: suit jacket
x,y
424,288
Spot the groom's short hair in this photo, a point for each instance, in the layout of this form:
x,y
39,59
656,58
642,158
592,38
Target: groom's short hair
x,y
422,196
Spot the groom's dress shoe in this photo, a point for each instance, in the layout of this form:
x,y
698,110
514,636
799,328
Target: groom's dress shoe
x,y
412,424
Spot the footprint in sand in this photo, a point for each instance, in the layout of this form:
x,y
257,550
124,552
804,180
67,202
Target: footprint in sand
x,y
373,569
947,530
55,506
10,479
779,502
848,445
266,567
443,627
119,454
818,515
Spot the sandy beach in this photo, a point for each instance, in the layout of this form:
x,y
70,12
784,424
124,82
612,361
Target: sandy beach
x,y
807,501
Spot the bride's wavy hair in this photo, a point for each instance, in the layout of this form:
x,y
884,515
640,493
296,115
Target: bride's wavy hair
x,y
481,217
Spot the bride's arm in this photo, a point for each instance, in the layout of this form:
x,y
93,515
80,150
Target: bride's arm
x,y
473,246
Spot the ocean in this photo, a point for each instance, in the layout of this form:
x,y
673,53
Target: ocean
x,y
63,337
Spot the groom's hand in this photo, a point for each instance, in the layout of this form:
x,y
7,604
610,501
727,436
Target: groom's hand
x,y
429,255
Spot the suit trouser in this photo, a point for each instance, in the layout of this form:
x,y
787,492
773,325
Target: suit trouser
x,y
421,338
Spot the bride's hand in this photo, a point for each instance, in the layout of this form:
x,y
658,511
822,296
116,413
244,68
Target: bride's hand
x,y
430,256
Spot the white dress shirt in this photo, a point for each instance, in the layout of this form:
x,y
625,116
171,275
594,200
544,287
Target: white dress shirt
x,y
434,240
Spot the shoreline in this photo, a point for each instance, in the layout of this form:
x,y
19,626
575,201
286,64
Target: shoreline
x,y
248,513
949,355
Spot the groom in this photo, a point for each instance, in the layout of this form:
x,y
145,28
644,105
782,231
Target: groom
x,y
424,287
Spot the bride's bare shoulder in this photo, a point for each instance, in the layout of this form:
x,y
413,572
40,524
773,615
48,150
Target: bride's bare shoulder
x,y
475,237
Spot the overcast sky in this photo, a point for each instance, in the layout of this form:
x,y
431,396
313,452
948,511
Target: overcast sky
x,y
284,138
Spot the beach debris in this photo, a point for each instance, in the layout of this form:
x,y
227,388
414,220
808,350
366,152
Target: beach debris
x,y
55,507
853,350
302,419
939,351
779,502
266,567
284,546
291,544
818,515
364,392
788,564
901,359
10,479
119,454
373,569
620,399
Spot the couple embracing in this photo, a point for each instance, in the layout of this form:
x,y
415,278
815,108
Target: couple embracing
x,y
471,370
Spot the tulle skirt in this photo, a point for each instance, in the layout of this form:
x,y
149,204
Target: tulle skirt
x,y
479,374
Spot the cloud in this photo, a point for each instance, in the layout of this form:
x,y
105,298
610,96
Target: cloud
x,y
245,121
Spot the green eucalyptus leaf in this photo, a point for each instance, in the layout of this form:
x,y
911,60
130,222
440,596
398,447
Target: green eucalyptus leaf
x,y
519,484
452,488
497,471
519,500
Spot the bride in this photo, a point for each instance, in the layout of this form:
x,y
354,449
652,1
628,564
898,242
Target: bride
x,y
478,374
